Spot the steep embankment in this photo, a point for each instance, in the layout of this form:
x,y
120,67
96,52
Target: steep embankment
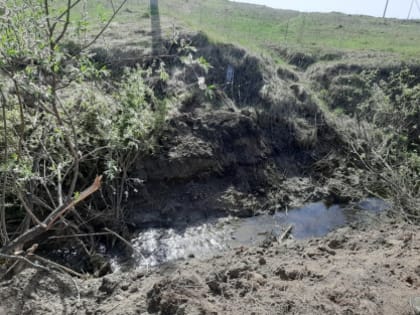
x,y
274,138
247,148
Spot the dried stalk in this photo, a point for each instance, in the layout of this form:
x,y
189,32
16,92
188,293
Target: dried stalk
x,y
59,267
3,225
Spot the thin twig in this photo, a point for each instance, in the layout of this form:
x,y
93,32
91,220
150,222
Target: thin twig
x,y
79,235
3,225
106,25
59,185
120,238
23,258
128,244
112,309
68,8
29,210
77,288
65,26
58,266
286,233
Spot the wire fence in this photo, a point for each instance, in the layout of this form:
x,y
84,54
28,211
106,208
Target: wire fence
x,y
262,27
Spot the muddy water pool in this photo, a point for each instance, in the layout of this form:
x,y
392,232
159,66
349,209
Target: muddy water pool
x,y
157,246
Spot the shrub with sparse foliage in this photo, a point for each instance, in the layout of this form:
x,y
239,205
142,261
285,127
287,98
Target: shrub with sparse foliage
x,y
60,128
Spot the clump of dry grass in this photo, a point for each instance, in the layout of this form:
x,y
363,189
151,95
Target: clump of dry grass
x,y
391,174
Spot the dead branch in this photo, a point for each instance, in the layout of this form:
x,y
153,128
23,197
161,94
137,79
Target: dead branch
x,y
83,195
49,221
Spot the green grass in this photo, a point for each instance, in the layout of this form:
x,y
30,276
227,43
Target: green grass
x,y
261,28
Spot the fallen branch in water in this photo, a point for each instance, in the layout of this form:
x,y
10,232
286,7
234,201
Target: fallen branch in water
x,y
286,233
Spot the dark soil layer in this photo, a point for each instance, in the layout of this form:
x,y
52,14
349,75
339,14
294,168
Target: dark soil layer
x,y
258,144
250,148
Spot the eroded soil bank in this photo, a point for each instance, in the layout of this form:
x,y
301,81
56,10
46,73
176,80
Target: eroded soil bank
x,y
355,270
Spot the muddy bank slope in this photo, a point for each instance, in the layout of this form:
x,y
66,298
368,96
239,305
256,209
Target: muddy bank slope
x,y
264,141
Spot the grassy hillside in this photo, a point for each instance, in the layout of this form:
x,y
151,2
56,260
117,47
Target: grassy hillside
x,y
262,27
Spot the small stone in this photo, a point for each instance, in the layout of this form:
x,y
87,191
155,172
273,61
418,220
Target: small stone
x,y
262,261
125,286
134,290
327,250
338,241
256,277
214,287
281,272
234,272
108,286
138,275
32,296
410,281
